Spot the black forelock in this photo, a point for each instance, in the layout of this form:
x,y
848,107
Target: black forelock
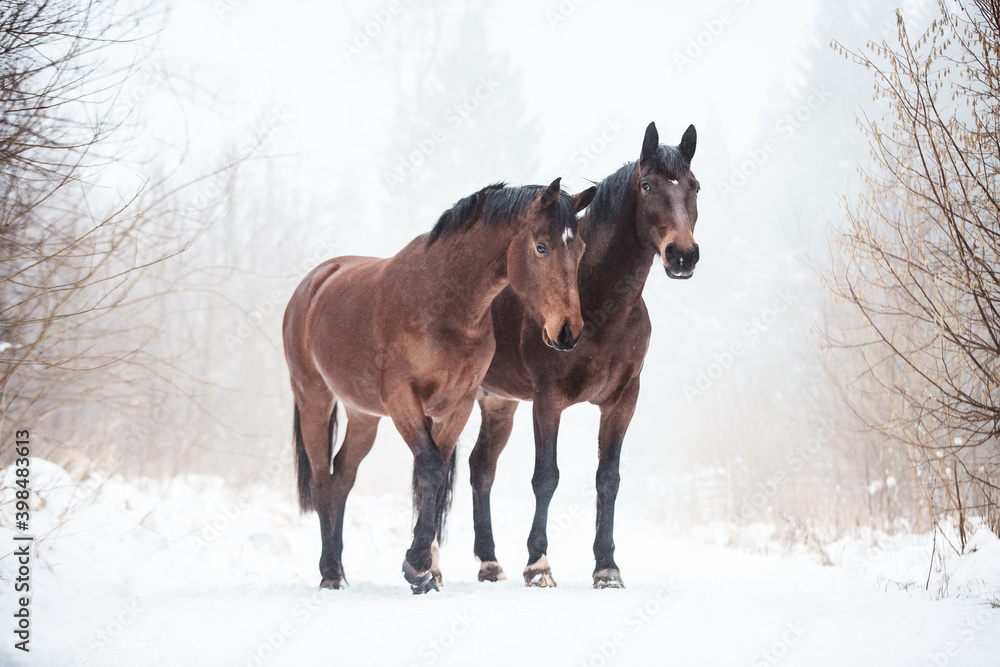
x,y
498,203
611,192
670,163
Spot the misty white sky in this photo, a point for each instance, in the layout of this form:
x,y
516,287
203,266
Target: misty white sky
x,y
604,61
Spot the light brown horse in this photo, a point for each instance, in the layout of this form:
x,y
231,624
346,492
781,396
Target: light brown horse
x,y
644,210
410,337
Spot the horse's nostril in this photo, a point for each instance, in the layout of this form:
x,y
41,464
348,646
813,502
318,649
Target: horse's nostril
x,y
695,255
565,335
670,251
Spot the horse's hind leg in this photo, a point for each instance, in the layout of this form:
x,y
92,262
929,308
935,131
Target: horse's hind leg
x,y
498,420
361,430
314,419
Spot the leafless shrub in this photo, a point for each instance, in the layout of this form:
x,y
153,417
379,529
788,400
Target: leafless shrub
x,y
919,265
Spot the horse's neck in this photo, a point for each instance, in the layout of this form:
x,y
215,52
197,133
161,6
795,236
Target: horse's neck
x,y
615,264
470,268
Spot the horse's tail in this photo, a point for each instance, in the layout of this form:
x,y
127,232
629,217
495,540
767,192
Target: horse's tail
x,y
302,465
443,505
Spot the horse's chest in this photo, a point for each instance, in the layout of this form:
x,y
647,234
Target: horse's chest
x,y
446,369
594,372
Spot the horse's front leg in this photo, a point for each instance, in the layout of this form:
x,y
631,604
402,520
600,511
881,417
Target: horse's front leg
x,y
543,482
615,418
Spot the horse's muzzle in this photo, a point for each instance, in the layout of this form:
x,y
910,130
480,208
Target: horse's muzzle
x,y
565,341
679,264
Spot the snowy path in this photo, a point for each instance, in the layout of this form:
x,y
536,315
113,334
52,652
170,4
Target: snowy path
x,y
721,608
129,587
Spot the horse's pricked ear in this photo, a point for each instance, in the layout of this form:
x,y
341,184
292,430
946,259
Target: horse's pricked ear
x,y
581,200
551,194
688,143
650,144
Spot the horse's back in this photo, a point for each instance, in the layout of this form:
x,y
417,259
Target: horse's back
x,y
316,282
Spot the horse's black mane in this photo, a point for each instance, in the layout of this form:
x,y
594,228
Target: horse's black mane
x,y
502,203
611,192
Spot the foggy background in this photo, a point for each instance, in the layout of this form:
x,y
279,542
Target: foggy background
x,y
304,137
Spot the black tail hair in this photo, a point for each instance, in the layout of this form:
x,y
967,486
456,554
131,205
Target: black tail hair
x,y
302,465
443,500
443,505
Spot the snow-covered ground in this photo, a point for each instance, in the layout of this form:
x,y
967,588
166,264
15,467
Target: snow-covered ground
x,y
191,572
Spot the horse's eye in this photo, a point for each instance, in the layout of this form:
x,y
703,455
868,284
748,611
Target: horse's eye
x,y
541,249
645,186
697,188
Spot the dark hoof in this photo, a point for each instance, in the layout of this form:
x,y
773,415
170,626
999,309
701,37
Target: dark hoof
x,y
609,577
333,584
490,570
539,574
420,582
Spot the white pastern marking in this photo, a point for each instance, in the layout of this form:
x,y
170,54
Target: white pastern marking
x,y
567,235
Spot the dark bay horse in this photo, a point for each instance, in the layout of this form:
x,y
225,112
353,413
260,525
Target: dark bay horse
x,y
644,210
411,337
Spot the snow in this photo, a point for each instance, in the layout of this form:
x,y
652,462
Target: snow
x,y
192,572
